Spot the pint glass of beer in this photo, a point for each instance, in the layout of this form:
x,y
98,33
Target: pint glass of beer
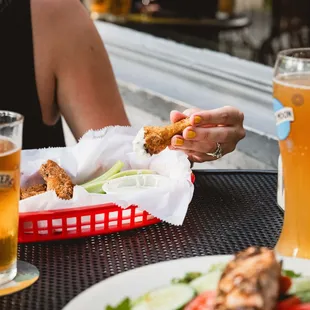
x,y
291,103
109,9
11,126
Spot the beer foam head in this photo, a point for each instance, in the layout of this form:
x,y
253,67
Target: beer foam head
x,y
294,80
7,146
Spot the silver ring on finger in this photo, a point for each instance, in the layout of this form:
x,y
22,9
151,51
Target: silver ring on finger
x,y
218,152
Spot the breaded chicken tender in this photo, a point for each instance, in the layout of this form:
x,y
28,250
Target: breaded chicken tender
x,y
57,180
153,139
32,191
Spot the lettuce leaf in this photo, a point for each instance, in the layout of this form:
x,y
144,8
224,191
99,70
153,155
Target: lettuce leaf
x,y
123,305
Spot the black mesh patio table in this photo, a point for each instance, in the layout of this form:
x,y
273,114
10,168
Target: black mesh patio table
x,y
230,211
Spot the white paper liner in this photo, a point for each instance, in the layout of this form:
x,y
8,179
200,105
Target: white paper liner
x,y
95,153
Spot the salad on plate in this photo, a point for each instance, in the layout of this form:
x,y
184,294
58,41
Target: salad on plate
x,y
253,280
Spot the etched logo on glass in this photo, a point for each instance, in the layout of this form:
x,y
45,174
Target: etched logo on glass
x,y
6,180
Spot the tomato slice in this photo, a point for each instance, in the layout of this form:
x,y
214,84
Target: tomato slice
x,y
288,303
285,284
204,301
301,307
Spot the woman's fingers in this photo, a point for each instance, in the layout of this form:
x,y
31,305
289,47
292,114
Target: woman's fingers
x,y
223,116
179,143
204,140
176,116
213,134
223,126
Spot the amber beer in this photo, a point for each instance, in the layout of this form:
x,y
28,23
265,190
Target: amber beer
x,y
109,8
292,108
227,6
10,145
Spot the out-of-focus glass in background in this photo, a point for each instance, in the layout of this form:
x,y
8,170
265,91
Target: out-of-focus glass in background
x,y
110,10
125,9
250,29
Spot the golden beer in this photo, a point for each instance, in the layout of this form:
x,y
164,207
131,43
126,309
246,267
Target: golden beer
x,y
9,193
227,6
292,92
109,8
9,198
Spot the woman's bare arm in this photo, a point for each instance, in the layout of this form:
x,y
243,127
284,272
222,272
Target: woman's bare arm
x,y
86,90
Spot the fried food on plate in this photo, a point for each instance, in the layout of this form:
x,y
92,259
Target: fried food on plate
x,y
32,191
250,281
57,180
152,139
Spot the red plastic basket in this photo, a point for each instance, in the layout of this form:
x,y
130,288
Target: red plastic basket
x,y
81,222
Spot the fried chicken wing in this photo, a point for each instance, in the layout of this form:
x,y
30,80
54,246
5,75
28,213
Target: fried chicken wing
x,y
32,191
57,179
251,281
152,139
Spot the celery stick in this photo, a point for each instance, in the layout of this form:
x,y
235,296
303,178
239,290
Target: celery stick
x,y
95,186
129,172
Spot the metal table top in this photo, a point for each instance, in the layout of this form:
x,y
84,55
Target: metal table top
x,y
230,211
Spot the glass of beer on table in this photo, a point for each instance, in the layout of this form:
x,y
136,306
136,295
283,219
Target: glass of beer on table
x,y
291,103
115,10
11,127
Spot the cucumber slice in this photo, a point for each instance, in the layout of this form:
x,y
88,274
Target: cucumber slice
x,y
172,297
207,282
301,288
95,186
218,267
130,172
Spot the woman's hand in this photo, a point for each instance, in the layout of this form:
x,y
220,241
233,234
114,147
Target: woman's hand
x,y
209,128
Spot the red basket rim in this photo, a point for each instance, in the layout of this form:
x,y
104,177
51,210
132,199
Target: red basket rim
x,y
108,206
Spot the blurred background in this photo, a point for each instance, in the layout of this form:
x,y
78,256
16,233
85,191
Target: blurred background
x,y
176,54
250,29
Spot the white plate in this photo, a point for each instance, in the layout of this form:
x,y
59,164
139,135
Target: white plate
x,y
135,283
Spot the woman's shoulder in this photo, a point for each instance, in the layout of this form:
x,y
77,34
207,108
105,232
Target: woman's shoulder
x,y
57,21
54,4
56,11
